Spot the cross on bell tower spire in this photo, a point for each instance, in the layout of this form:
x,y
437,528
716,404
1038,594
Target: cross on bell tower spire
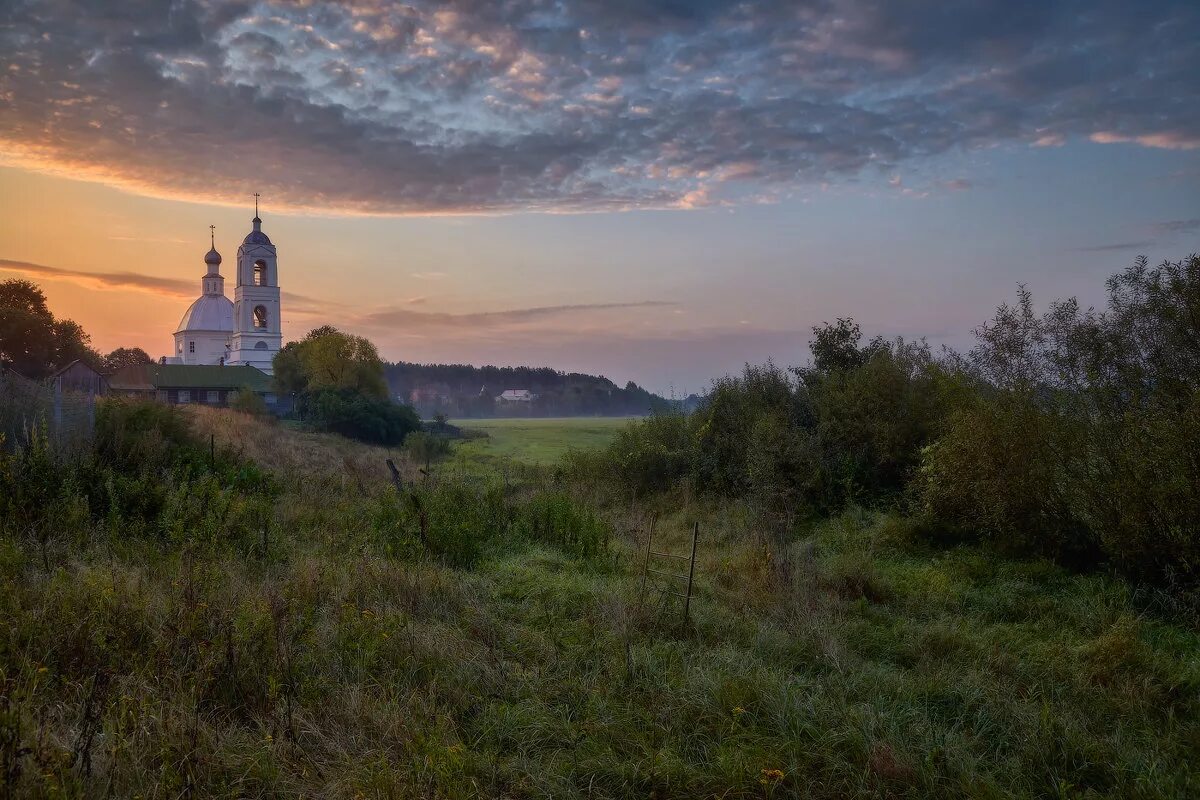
x,y
212,236
256,204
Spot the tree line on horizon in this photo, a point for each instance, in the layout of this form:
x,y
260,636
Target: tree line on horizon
x,y
36,344
462,390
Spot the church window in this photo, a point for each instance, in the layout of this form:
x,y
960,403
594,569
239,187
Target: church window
x,y
191,347
260,273
260,316
260,345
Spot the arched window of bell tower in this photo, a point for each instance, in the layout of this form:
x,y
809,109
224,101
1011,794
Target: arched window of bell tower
x,y
260,273
260,316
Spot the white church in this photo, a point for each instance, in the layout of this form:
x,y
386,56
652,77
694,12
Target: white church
x,y
244,332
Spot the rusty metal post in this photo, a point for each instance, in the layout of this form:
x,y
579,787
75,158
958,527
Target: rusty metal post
x,y
646,563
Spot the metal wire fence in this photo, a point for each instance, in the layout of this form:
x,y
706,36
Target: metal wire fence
x,y
31,408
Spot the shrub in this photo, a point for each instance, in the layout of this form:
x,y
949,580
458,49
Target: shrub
x,y
147,474
424,447
452,522
873,420
727,418
1001,470
555,519
1144,505
250,402
1080,439
358,416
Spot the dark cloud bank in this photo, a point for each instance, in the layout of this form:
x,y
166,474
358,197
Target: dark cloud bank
x,y
480,105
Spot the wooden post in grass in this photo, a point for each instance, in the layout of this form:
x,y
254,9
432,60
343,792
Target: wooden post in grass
x,y
687,603
396,479
422,517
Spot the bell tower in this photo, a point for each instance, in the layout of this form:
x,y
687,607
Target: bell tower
x,y
256,331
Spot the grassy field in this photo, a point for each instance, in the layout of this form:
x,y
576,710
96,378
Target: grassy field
x,y
330,654
536,441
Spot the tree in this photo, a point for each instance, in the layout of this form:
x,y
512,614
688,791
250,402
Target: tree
x,y
26,329
835,346
72,343
290,376
125,357
32,341
329,359
338,378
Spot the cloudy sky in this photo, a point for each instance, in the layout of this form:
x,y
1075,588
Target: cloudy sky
x,y
657,190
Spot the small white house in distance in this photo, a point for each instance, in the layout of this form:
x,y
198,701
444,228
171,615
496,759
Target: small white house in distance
x,y
516,398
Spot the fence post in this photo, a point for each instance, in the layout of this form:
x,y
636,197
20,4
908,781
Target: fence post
x,y
57,412
687,603
646,563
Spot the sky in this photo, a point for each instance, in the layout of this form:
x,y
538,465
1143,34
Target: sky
x,y
652,190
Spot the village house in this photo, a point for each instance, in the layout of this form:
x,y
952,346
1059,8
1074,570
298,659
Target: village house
x,y
79,377
203,384
516,399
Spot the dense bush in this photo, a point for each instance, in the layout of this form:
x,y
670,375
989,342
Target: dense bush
x,y
999,471
1072,434
1081,440
147,475
359,416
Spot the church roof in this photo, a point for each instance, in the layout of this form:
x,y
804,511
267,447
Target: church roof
x,y
210,312
190,376
256,237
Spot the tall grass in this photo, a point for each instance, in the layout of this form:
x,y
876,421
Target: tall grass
x,y
164,653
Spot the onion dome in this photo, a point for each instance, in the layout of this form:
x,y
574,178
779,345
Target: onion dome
x,y
212,257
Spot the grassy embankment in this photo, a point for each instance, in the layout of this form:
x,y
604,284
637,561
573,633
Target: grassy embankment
x,y
338,661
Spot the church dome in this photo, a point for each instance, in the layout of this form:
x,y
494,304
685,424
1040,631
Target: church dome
x,y
209,313
256,236
212,257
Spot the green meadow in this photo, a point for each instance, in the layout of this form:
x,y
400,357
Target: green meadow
x,y
536,441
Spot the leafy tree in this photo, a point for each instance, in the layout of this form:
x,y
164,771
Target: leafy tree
x,y
329,359
32,341
338,379
125,357
71,343
26,329
290,375
835,346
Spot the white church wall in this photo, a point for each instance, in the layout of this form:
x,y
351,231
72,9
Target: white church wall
x,y
201,347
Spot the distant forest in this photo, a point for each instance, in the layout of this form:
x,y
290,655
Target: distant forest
x,y
461,390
